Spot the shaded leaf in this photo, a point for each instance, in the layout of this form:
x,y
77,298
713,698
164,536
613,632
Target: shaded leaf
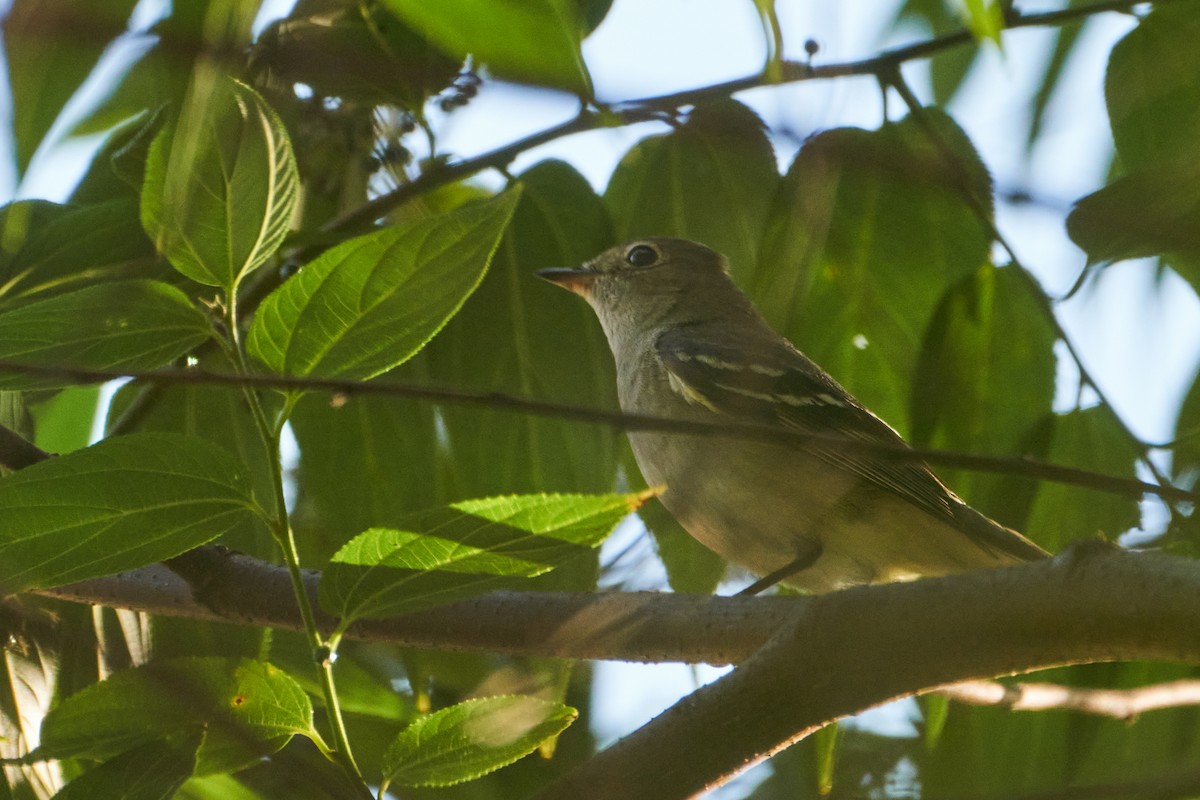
x,y
691,567
78,246
367,305
217,414
867,232
710,180
51,48
360,54
537,41
120,504
471,739
1089,439
152,771
984,379
1149,212
221,185
1186,462
519,335
128,325
245,709
367,462
449,553
994,752
1152,93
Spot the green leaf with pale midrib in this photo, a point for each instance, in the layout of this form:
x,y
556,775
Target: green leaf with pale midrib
x,y
117,505
460,550
471,739
367,305
127,325
221,186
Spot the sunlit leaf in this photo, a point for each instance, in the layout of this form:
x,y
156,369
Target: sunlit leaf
x,y
123,503
367,305
535,40
985,18
449,553
471,739
128,325
221,185
245,709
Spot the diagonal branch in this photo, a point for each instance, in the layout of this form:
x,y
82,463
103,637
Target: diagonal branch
x,y
853,649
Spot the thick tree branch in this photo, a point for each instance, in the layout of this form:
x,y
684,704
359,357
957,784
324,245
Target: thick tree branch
x,y
1121,704
1019,466
853,649
215,584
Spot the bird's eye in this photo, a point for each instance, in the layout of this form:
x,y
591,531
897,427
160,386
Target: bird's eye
x,y
642,255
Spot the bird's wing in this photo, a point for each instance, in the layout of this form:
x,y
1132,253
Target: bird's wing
x,y
792,392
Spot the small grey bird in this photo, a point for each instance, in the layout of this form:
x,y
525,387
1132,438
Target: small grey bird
x,y
815,515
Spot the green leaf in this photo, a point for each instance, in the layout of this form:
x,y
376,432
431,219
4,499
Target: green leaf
x,y
1089,439
52,47
64,422
152,771
984,380
217,414
124,326
711,181
359,53
471,739
394,468
867,232
78,246
949,67
460,550
537,41
120,504
1152,93
985,18
245,710
1149,212
369,304
691,567
520,335
221,185
1187,434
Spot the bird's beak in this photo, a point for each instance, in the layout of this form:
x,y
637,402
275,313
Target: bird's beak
x,y
576,279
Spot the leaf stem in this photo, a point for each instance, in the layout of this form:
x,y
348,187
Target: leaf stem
x,y
281,528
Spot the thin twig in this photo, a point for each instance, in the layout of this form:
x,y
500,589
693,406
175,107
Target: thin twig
x,y
1019,466
1120,704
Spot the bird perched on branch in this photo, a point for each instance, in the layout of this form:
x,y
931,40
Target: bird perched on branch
x,y
816,514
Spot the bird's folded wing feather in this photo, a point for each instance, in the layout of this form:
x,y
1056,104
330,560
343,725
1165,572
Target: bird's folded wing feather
x,y
790,391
